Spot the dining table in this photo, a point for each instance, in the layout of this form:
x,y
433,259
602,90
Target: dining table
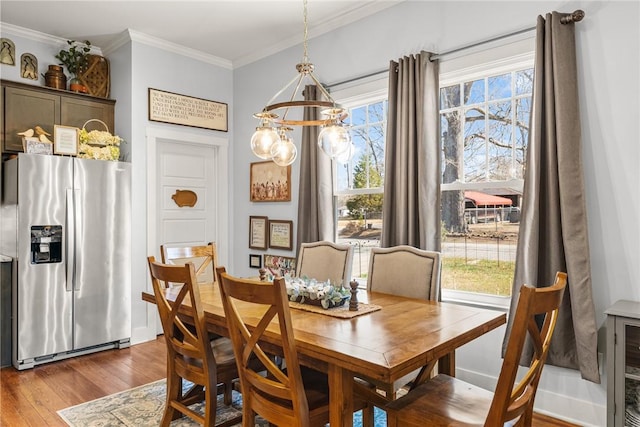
x,y
388,337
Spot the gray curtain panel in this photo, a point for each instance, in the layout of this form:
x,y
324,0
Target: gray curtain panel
x,y
553,225
315,194
411,207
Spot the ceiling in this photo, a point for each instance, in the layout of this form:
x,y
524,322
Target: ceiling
x,y
239,31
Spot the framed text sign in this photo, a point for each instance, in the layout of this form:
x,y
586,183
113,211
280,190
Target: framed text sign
x,y
185,110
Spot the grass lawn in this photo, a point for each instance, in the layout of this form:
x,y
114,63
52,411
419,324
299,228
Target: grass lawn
x,y
483,276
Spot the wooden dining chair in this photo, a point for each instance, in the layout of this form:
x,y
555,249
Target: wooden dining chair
x,y
404,271
294,397
204,257
190,354
325,261
447,401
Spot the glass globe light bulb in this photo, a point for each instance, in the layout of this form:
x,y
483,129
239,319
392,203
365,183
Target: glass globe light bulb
x,y
334,140
262,140
284,152
347,155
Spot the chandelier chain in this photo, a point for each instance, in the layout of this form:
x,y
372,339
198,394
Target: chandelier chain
x,y
304,13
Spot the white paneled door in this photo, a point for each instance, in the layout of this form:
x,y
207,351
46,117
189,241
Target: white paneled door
x,y
187,191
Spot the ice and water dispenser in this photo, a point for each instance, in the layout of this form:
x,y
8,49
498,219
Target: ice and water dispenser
x,y
46,244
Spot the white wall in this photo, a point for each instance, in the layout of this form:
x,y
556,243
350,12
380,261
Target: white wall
x,y
608,46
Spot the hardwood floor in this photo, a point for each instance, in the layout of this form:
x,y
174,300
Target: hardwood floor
x,y
32,397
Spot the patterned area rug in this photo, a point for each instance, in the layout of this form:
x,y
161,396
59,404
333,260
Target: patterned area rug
x,y
143,406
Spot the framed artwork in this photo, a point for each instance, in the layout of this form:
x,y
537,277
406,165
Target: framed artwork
x,y
278,265
185,110
270,182
65,140
258,232
255,261
33,145
281,234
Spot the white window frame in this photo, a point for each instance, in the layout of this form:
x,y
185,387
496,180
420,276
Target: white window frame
x,y
491,62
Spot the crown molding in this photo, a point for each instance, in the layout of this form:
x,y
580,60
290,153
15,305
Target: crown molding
x,y
38,37
178,49
347,16
122,39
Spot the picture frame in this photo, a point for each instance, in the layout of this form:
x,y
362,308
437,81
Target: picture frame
x,y
33,145
173,108
281,234
258,237
65,140
269,182
277,265
255,261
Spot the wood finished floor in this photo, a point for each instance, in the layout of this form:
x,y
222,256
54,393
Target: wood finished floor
x,y
32,397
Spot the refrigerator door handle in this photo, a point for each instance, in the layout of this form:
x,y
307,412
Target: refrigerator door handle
x,y
77,224
70,241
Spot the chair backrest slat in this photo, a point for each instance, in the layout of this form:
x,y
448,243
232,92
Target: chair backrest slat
x,y
534,322
278,396
185,331
204,258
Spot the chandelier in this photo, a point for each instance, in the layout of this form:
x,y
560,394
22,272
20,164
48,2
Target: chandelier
x,y
272,139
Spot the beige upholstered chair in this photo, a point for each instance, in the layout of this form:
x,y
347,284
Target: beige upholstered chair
x,y
404,271
205,259
444,400
325,261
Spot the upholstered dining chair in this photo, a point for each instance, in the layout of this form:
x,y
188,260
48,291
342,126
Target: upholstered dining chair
x,y
404,271
293,397
190,353
445,400
204,257
325,260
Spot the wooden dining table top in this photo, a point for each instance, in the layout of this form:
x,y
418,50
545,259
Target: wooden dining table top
x,y
384,345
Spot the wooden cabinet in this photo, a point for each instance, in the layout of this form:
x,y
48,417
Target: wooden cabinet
x,y
25,106
623,364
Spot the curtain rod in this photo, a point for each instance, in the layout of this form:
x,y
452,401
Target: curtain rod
x,y
576,16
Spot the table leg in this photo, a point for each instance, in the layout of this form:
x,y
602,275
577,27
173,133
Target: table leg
x,y
447,364
340,397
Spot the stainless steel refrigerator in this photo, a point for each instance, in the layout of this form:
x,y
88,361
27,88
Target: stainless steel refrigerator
x,y
67,223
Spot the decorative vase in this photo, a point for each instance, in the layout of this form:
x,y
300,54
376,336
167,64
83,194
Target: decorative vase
x,y
55,77
75,85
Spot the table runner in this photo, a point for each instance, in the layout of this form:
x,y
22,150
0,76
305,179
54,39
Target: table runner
x,y
341,312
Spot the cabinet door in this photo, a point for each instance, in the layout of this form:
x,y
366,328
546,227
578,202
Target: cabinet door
x,y
75,112
24,109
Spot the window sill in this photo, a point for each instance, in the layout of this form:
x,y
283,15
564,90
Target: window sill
x,y
473,299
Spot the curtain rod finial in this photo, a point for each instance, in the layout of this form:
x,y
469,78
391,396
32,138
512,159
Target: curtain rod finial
x,y
576,16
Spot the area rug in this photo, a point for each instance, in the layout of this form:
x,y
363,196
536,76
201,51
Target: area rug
x,y
143,406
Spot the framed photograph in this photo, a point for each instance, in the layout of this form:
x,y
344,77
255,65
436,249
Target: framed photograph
x,y
281,234
278,265
33,145
185,110
270,182
255,261
65,140
258,232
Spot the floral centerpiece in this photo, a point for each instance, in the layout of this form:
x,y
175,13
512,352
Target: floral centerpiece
x,y
310,291
99,144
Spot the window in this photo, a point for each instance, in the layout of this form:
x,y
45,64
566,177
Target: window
x,y
358,181
484,124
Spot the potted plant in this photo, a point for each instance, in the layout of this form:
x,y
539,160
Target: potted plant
x,y
75,60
